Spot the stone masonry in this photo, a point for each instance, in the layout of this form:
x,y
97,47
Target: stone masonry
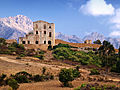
x,y
43,33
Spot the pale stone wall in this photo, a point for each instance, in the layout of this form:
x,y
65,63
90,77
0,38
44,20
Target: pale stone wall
x,y
88,41
41,34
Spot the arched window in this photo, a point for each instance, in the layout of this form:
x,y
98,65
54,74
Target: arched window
x,y
44,42
44,32
23,42
49,42
44,26
36,32
36,26
28,42
36,42
49,34
49,26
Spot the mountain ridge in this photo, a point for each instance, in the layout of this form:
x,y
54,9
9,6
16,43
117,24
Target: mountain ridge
x,y
20,25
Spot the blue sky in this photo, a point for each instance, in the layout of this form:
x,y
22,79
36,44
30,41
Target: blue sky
x,y
73,17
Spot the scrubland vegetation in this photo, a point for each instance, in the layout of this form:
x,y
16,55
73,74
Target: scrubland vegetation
x,y
104,57
23,77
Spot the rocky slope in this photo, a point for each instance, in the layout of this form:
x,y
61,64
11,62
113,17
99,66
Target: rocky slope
x,y
14,27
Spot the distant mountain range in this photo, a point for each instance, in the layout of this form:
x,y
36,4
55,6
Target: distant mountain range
x,y
18,26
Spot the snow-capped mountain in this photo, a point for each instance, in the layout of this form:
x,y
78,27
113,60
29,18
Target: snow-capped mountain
x,y
18,26
68,38
14,27
94,36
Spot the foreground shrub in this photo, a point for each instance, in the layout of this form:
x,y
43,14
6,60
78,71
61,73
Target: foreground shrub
x,y
18,57
2,79
38,78
40,56
67,75
96,86
94,72
22,77
13,84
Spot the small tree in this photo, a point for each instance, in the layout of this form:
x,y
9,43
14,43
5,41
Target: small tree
x,y
13,84
65,76
97,42
2,41
119,52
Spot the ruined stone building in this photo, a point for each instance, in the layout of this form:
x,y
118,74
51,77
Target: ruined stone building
x,y
43,33
88,41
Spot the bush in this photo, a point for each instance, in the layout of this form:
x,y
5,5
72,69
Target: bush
x,y
77,67
18,57
76,73
13,84
49,47
67,75
43,70
2,79
38,78
40,56
94,72
22,77
63,45
22,55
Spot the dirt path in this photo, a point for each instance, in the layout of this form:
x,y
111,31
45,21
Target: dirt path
x,y
32,63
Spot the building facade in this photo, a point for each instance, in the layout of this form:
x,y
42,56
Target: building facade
x,y
43,33
88,41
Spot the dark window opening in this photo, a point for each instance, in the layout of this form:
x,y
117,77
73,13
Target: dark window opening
x,y
36,42
49,42
49,26
44,42
28,42
36,32
44,32
49,34
23,42
44,26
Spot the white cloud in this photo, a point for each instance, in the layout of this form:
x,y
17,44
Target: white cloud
x,y
114,34
97,7
116,19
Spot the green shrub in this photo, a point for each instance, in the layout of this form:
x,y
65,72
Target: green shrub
x,y
22,79
43,70
83,85
92,88
50,47
63,45
39,56
67,75
77,67
41,52
94,72
18,57
2,41
2,79
22,55
76,73
78,88
51,77
38,78
13,84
